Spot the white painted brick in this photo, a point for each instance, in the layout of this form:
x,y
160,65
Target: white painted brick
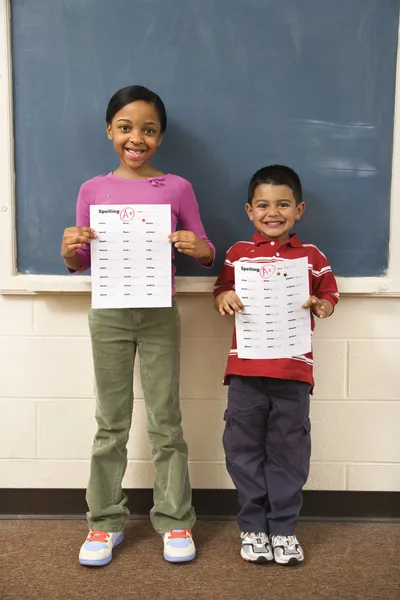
x,y
330,357
326,476
201,369
203,475
65,429
373,369
374,477
45,368
203,425
355,431
16,315
41,359
200,319
139,475
46,474
50,474
17,428
62,315
358,317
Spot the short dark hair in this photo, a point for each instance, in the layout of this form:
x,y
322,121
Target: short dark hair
x,y
132,93
276,175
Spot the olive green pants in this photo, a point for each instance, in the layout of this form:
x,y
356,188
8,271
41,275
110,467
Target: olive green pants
x,y
116,335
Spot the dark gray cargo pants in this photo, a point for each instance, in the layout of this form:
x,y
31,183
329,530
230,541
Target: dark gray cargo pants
x,y
267,445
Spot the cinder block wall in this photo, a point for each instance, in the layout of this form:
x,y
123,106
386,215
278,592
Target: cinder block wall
x,y
47,395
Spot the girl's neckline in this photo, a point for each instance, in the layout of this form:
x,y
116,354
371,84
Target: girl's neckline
x,y
154,178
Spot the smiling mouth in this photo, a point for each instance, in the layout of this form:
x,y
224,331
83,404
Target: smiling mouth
x,y
134,152
273,223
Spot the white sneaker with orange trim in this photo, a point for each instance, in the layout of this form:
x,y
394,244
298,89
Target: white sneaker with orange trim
x,y
97,549
179,545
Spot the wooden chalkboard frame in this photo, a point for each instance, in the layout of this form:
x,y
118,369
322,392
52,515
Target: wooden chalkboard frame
x,y
11,282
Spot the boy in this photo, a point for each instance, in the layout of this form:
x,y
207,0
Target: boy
x,y
267,426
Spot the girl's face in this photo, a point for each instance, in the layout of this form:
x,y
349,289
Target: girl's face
x,y
136,134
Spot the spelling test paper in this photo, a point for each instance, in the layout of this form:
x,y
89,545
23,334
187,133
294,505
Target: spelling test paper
x,y
273,323
131,257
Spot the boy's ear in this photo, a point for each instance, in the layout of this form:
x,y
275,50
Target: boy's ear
x,y
108,129
249,211
300,208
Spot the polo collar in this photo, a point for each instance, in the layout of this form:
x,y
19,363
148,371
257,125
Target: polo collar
x,y
292,241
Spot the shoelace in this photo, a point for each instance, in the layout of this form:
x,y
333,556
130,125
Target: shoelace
x,y
257,538
97,536
173,535
289,541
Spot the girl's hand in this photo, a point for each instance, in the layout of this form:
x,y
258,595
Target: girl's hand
x,y
320,308
74,238
228,303
189,243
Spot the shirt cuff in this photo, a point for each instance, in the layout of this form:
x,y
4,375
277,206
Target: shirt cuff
x,y
211,264
85,263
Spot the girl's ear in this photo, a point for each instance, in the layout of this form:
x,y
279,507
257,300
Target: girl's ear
x,y
109,131
160,140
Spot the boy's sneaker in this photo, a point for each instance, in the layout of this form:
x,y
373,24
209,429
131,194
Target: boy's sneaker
x,y
179,545
98,547
287,550
256,547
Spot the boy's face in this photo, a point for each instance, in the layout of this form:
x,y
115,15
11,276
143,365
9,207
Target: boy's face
x,y
274,211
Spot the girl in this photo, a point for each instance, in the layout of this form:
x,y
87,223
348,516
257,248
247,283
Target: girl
x,y
136,121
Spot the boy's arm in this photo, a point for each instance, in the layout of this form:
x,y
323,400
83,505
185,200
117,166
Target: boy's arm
x,y
320,308
226,300
324,289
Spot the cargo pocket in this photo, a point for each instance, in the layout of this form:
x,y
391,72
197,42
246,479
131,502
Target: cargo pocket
x,y
306,447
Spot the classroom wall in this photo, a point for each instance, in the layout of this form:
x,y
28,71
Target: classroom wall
x,y
47,395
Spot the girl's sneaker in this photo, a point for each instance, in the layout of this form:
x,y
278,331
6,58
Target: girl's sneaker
x,y
97,549
256,547
179,545
287,550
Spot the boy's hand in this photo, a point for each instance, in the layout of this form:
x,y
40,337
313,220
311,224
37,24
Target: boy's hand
x,y
228,303
191,244
74,238
320,308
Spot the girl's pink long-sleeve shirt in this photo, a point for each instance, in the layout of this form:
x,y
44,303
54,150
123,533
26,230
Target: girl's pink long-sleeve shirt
x,y
166,189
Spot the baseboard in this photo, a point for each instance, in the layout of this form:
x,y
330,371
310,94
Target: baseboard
x,y
319,505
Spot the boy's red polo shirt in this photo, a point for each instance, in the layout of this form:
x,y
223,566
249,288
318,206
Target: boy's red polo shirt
x,y
322,285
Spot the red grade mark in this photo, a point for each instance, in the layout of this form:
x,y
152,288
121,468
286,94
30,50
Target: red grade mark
x,y
127,214
144,220
267,271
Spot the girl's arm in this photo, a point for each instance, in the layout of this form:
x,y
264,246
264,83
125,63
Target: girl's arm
x,y
192,238
80,260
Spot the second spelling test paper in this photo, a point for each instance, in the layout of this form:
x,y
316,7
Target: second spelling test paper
x,y
131,256
273,323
